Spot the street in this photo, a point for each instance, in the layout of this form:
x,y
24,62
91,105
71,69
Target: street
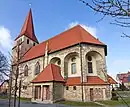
x,y
4,103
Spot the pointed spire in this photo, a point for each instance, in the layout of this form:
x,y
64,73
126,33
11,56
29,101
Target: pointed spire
x,y
28,28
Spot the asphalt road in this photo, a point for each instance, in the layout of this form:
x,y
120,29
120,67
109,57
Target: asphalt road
x,y
4,103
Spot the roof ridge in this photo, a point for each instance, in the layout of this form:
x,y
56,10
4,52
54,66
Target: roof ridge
x,y
63,40
28,16
90,34
57,35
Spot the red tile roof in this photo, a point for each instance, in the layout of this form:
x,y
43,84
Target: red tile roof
x,y
50,73
124,77
66,39
28,28
125,80
91,80
111,80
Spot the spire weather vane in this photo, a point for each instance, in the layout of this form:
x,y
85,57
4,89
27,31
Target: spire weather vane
x,y
30,5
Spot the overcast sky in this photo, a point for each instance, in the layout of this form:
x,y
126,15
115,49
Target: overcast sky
x,y
52,17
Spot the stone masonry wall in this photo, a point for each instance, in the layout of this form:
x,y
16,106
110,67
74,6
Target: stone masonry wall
x,y
98,93
58,91
73,95
26,80
88,48
62,54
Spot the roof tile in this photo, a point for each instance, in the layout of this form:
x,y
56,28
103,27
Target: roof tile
x,y
95,80
111,80
66,39
50,73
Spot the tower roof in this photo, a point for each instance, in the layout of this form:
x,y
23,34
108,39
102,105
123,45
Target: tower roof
x,y
28,28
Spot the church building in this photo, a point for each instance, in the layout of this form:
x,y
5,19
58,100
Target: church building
x,y
68,66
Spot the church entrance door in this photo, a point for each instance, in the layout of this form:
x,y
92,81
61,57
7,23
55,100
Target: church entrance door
x,y
37,92
45,92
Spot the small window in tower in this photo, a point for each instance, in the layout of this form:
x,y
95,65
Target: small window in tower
x,y
67,88
74,87
27,41
33,44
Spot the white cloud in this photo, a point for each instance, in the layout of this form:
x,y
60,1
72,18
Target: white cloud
x,y
6,41
90,29
72,24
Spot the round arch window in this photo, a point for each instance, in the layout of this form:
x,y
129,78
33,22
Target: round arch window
x,y
89,58
73,59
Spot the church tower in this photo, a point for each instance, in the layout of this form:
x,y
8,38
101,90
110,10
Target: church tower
x,y
26,38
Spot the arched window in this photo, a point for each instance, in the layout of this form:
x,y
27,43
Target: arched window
x,y
27,41
90,67
73,68
26,71
73,59
56,61
37,68
73,65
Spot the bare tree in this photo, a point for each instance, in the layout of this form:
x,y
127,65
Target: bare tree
x,y
117,9
4,66
17,77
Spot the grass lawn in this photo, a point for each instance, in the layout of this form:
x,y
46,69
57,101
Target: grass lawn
x,y
74,103
22,98
119,102
3,97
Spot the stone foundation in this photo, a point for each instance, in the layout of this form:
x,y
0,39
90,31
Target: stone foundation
x,y
99,92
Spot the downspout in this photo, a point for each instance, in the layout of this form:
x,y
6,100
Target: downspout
x,y
46,55
80,46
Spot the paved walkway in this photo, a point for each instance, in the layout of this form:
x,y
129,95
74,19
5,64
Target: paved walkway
x,y
103,105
